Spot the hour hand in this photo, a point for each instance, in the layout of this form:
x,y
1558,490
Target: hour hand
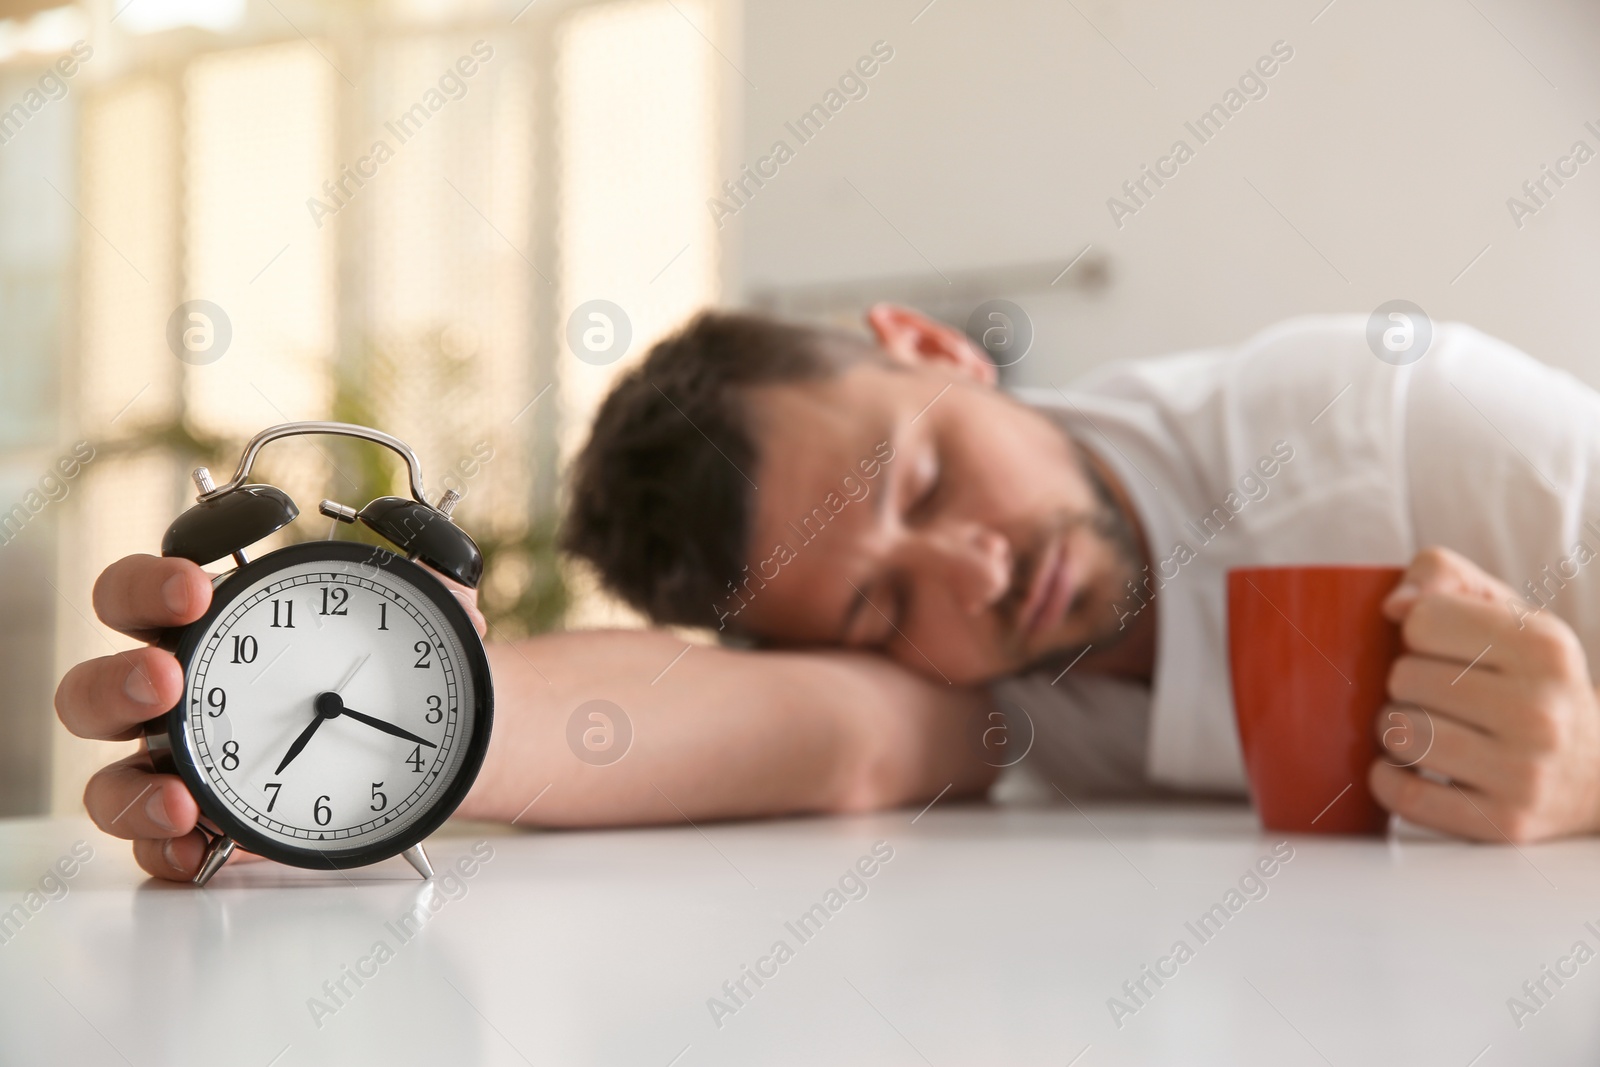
x,y
299,744
388,727
328,706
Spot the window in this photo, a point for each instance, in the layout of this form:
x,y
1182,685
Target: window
x,y
637,122
422,286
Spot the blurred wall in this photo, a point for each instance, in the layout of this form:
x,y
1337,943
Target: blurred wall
x,y
1377,165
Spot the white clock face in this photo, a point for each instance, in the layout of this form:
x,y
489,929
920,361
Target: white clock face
x,y
330,705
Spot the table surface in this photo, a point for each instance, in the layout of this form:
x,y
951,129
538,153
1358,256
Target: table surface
x,y
988,935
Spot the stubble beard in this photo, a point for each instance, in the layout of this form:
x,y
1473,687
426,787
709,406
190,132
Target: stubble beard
x,y
1113,529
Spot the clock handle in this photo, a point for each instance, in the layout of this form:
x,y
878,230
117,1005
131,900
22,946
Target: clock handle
x,y
337,429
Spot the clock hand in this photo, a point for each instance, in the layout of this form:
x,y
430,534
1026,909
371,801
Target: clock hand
x,y
299,744
328,706
388,728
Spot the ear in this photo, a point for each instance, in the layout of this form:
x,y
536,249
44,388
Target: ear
x,y
914,340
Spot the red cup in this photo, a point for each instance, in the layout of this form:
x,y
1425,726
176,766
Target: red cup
x,y
1310,652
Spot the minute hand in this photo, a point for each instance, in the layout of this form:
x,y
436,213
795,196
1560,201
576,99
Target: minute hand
x,y
388,727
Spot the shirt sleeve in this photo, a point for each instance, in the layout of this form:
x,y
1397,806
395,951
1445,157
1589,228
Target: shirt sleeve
x,y
1503,460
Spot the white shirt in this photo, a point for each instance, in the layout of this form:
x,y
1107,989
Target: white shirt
x,y
1476,447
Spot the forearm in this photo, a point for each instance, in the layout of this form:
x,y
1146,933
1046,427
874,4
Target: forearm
x,y
722,734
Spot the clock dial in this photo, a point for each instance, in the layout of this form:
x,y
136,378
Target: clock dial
x,y
330,705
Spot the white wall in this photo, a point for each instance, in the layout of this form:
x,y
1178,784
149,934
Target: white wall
x,y
996,134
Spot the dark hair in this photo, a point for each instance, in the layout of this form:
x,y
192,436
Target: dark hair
x,y
662,493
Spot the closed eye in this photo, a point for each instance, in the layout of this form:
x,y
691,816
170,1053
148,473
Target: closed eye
x,y
922,506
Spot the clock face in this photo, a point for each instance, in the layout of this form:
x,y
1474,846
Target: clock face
x,y
332,707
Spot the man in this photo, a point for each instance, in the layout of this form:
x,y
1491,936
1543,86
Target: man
x,y
896,550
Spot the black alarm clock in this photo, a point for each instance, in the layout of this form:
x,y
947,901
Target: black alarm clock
x,y
337,701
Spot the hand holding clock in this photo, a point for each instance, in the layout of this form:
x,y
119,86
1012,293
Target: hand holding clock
x,y
109,698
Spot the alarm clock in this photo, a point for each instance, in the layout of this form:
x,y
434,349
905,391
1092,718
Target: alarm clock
x,y
337,701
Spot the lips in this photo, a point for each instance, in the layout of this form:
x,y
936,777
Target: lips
x,y
1049,592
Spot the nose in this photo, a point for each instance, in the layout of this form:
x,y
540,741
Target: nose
x,y
971,561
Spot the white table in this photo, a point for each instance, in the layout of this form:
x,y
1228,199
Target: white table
x,y
992,936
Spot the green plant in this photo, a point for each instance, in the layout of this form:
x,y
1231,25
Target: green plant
x,y
524,590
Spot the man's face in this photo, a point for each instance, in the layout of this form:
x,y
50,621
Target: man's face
x,y
915,510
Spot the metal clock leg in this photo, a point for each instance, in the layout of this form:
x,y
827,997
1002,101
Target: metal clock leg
x,y
217,853
419,859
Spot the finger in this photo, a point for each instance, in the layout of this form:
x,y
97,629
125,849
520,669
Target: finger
x,y
1479,632
470,605
468,599
1405,732
1439,570
140,595
127,800
176,859
106,699
1443,745
1449,809
1476,695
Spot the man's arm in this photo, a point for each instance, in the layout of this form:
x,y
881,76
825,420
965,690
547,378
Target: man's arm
x,y
721,735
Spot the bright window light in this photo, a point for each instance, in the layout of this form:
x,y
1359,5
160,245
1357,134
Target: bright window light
x,y
152,16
